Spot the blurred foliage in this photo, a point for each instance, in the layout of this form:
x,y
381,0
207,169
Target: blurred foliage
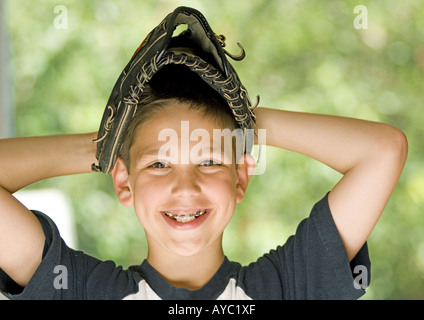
x,y
301,55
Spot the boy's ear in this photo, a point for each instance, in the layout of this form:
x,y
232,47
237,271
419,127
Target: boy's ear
x,y
245,169
121,183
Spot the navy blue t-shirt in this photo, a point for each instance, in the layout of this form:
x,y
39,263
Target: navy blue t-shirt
x,y
312,264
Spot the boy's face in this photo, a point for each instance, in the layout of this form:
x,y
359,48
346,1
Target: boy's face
x,y
183,202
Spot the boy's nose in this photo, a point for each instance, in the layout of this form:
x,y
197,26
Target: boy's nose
x,y
185,184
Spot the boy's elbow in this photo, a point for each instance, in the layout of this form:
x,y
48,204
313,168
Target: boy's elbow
x,y
394,145
400,143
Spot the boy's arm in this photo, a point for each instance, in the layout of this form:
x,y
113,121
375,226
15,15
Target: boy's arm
x,y
370,156
24,161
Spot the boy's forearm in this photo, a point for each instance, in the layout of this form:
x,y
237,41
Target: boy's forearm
x,y
24,161
339,142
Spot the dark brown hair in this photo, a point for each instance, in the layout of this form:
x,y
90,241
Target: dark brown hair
x,y
176,83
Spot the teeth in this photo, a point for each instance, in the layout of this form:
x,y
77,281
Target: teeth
x,y
184,218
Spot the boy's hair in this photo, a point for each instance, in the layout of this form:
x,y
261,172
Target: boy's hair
x,y
176,83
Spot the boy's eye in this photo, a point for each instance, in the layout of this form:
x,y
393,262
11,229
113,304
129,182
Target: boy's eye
x,y
159,165
209,163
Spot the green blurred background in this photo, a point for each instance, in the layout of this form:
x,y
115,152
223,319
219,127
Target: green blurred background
x,y
301,55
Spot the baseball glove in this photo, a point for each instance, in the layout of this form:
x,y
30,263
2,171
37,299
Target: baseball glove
x,y
198,48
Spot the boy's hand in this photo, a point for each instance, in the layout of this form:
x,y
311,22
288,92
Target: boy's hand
x,y
24,161
370,155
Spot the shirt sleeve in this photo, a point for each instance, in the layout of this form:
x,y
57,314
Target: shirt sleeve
x,y
65,273
312,264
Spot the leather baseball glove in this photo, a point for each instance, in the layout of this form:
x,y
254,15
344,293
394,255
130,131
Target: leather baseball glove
x,y
198,48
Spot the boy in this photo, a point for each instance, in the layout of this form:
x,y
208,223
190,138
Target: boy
x,y
184,206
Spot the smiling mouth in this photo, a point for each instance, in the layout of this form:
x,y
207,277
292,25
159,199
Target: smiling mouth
x,y
185,217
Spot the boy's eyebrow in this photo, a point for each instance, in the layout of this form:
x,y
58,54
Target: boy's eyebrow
x,y
155,152
148,153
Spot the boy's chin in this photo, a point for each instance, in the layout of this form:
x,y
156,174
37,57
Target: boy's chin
x,y
191,248
186,249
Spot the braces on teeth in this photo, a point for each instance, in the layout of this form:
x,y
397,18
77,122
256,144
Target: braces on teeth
x,y
186,218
